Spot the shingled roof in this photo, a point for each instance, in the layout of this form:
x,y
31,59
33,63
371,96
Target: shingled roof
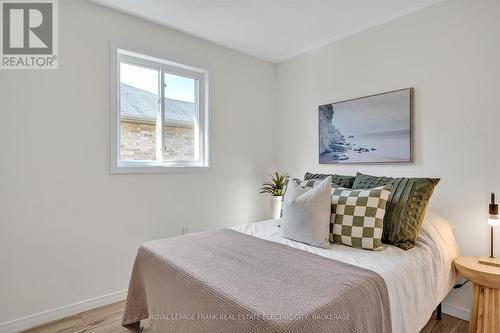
x,y
140,104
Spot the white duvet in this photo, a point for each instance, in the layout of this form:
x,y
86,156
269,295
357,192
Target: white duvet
x,y
417,280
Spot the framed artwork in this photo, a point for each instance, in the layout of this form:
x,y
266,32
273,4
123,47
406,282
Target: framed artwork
x,y
371,129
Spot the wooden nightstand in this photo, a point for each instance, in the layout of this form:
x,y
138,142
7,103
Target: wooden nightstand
x,y
485,316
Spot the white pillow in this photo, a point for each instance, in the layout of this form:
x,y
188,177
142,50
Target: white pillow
x,y
437,233
306,214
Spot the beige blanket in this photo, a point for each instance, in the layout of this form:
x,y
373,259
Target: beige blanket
x,y
226,281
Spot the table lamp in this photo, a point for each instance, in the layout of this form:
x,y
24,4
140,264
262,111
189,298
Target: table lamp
x,y
493,221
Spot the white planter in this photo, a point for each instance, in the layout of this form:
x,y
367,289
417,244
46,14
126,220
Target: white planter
x,y
276,206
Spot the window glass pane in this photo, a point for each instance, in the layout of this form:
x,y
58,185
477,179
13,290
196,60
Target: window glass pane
x,y
180,123
139,109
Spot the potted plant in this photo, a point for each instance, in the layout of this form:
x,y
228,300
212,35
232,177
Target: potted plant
x,y
275,187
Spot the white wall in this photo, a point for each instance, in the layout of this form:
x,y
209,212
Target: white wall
x,y
450,53
70,229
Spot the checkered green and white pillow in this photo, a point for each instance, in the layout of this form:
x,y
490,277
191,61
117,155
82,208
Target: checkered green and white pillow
x,y
358,216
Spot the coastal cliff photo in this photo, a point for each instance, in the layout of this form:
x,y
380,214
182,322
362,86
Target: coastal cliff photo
x,y
373,129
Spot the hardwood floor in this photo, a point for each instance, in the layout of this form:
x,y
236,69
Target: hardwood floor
x,y
108,318
448,324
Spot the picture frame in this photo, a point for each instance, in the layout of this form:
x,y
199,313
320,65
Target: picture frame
x,y
367,130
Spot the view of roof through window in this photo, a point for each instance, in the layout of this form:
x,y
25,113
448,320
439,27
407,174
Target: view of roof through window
x,y
139,106
179,88
139,92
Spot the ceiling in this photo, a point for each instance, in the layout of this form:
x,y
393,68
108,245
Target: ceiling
x,y
273,30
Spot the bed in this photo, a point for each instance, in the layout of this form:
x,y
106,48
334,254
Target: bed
x,y
168,286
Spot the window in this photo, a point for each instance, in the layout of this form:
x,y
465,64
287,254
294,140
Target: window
x,y
159,113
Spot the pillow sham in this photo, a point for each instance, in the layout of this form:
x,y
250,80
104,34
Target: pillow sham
x,y
362,181
339,180
357,216
287,180
405,207
302,183
306,213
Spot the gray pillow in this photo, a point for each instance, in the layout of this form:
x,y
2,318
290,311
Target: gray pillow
x,y
306,213
302,183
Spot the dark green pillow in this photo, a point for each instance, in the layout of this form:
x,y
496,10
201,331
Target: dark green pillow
x,y
363,181
405,208
340,180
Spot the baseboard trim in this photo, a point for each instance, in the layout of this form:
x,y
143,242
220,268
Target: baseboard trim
x,y
40,318
456,311
72,309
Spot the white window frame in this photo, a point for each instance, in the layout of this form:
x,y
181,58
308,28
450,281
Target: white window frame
x,y
201,126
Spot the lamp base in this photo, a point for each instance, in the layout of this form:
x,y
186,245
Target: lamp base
x,y
489,261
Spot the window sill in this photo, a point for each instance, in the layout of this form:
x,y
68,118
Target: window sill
x,y
145,169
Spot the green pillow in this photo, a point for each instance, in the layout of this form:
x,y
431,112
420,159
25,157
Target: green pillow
x,y
405,207
339,180
363,181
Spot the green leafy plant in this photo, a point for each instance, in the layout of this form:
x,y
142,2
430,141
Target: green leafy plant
x,y
275,186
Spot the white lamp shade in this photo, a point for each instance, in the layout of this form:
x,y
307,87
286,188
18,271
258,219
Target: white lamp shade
x,y
493,220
